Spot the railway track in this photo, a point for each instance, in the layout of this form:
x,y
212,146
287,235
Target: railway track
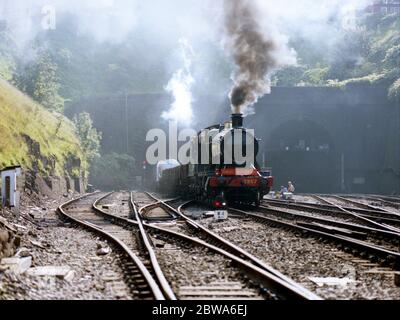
x,y
323,203
165,286
298,253
143,242
356,203
273,286
387,201
387,220
153,211
390,199
220,242
372,219
348,243
139,279
130,239
354,230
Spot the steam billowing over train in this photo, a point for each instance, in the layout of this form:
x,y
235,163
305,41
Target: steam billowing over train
x,y
218,174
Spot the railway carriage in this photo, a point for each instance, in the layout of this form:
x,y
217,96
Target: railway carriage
x,y
222,179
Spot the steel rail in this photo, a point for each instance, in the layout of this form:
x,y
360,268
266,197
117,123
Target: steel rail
x,y
162,281
390,202
157,294
363,205
389,256
396,199
330,209
151,206
357,196
379,225
164,285
156,204
390,235
371,214
278,285
229,246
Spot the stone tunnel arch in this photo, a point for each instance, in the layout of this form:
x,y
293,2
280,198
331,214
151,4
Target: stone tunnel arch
x,y
303,151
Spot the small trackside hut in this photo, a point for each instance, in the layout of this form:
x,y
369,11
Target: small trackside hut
x,y
10,194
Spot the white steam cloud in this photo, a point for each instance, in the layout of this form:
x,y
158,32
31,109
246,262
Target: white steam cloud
x,y
321,22
180,86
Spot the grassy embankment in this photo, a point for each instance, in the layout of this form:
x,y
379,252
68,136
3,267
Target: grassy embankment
x,y
20,116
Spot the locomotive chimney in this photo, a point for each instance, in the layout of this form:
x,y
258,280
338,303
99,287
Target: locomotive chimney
x,y
237,120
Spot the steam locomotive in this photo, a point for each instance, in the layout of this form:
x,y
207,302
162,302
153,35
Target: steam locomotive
x,y
222,179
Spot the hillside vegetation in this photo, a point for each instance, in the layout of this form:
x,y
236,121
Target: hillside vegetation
x,y
368,55
36,138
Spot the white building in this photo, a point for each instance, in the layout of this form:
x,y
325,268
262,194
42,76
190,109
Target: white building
x,y
10,195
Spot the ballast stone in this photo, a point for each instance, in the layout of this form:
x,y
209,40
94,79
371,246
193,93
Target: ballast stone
x,y
16,265
63,273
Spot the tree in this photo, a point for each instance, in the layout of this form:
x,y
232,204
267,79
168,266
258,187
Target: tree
x,y
316,76
89,137
46,84
7,67
39,79
289,76
7,55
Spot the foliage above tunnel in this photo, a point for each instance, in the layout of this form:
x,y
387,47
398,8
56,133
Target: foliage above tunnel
x,y
367,55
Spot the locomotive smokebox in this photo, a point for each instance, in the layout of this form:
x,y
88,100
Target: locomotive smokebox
x,y
237,120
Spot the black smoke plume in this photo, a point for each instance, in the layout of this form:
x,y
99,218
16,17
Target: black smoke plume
x,y
255,52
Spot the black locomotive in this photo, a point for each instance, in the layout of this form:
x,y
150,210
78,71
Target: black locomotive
x,y
216,173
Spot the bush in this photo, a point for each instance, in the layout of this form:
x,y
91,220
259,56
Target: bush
x,y
89,137
316,76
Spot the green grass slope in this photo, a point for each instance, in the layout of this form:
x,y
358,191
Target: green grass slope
x,y
34,137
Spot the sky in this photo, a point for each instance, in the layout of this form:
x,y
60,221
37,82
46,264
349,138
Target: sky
x,y
113,20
